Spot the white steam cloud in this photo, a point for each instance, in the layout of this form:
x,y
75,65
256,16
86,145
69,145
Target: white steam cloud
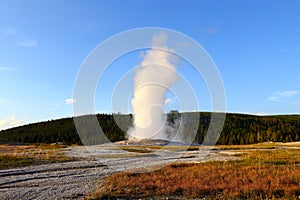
x,y
157,72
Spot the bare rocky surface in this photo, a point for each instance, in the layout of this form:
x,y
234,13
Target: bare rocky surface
x,y
75,180
70,180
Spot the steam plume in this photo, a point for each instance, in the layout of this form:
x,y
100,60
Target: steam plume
x,y
155,75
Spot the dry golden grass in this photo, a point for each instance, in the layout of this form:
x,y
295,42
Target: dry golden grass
x,y
263,174
23,155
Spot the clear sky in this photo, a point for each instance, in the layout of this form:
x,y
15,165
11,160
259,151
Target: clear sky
x,y
255,45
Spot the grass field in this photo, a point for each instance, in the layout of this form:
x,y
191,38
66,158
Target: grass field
x,y
265,171
24,155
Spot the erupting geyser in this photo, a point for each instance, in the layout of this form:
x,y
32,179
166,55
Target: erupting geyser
x,y
156,73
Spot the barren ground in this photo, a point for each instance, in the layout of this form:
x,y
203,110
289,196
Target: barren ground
x,y
75,180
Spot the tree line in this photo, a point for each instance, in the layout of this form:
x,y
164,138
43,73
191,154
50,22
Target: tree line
x,y
237,129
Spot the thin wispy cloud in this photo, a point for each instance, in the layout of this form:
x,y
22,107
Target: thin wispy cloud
x,y
284,50
260,113
297,104
27,42
70,101
56,105
278,95
274,98
288,93
5,101
2,68
9,31
21,40
168,101
10,121
213,29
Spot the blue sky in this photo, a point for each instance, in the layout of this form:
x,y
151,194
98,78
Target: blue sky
x,y
255,45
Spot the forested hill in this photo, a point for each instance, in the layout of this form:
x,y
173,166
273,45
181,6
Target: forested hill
x,y
238,129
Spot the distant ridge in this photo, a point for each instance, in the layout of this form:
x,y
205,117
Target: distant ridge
x,y
238,129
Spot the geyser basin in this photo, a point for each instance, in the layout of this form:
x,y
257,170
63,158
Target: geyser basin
x,y
151,142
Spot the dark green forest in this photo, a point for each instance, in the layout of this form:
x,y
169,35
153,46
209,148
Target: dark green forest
x,y
238,129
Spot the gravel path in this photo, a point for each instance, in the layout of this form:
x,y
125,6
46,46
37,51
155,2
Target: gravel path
x,y
70,180
75,180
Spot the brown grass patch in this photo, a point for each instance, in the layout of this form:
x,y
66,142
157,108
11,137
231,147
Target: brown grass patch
x,y
23,155
264,174
136,149
207,180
